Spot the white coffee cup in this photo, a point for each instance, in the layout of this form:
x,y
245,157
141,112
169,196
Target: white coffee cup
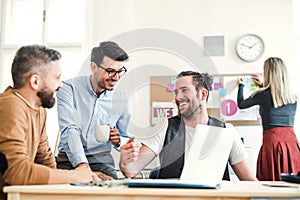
x,y
102,133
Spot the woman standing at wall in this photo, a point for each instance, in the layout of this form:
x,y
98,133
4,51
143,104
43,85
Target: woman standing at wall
x,y
280,150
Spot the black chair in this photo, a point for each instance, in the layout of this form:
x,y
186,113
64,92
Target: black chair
x,y
3,163
154,173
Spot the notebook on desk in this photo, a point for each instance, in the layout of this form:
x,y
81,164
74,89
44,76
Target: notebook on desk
x,y
205,164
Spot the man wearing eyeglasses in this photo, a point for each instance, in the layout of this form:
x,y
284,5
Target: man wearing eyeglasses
x,y
89,101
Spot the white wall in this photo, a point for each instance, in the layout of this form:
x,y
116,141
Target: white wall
x,y
198,18
270,19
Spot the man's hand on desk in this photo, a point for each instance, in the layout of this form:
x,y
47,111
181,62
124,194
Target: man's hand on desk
x,y
101,175
83,173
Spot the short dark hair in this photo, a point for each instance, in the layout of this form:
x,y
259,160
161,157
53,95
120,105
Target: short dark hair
x,y
29,60
200,80
109,49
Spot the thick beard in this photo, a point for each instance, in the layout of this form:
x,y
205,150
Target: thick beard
x,y
47,98
189,114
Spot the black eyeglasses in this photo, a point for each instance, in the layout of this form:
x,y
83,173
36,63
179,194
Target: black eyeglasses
x,y
113,72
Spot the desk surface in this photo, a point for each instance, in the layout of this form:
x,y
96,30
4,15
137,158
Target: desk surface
x,y
228,190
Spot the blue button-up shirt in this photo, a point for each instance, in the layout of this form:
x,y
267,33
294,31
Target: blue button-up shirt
x,y
79,110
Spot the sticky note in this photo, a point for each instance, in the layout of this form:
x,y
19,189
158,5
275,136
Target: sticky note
x,y
222,92
173,80
254,87
217,86
170,87
247,80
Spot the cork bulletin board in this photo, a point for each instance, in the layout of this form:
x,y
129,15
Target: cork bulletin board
x,y
221,102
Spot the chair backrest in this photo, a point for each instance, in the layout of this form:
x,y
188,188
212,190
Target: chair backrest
x,y
3,167
3,163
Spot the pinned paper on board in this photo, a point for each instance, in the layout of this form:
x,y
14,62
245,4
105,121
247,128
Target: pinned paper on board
x,y
229,109
254,87
170,87
214,98
162,110
173,80
247,80
222,92
217,86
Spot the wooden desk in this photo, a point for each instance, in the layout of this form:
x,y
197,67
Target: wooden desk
x,y
228,190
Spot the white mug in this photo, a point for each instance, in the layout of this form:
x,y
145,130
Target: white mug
x,y
102,133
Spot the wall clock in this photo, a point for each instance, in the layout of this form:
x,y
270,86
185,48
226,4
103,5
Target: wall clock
x,y
249,47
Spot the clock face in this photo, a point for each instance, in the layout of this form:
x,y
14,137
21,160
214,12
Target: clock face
x,y
249,47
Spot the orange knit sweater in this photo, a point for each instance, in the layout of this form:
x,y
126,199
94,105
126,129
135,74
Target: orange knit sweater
x,y
23,141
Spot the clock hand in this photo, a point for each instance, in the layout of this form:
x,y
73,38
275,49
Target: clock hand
x,y
245,45
253,45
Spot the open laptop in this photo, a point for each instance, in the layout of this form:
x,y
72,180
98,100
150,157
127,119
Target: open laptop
x,y
205,163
